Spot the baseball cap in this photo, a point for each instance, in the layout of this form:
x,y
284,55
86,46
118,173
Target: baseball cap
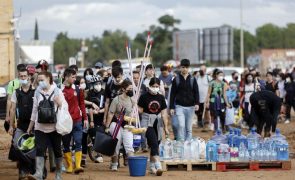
x,y
98,65
31,69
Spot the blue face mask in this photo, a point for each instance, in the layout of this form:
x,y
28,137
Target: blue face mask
x,y
42,84
23,82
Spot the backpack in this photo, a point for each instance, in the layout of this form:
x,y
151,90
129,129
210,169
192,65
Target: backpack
x,y
24,104
177,79
46,110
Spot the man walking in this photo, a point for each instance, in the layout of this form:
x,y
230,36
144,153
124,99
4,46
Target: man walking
x,y
184,100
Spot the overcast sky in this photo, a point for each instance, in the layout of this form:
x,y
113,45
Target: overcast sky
x,y
85,18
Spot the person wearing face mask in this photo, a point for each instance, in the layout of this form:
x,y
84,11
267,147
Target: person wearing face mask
x,y
104,77
216,99
22,100
45,132
88,73
271,85
203,83
184,100
124,135
95,96
290,96
249,89
235,80
75,99
153,109
149,74
113,88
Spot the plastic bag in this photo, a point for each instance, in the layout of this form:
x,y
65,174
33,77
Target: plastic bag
x,y
64,124
229,116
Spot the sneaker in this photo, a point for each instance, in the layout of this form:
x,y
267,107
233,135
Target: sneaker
x,y
98,158
287,121
158,167
153,169
145,150
114,166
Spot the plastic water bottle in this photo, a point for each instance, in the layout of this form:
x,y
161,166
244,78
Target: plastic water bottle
x,y
278,136
235,138
223,153
219,138
242,152
187,150
230,137
168,149
253,140
211,151
242,139
161,151
178,150
195,149
282,150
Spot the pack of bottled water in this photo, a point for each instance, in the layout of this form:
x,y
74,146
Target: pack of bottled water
x,y
235,147
190,150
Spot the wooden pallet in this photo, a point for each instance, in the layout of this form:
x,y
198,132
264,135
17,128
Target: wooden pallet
x,y
188,165
253,166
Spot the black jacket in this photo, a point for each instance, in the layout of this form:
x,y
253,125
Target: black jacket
x,y
184,94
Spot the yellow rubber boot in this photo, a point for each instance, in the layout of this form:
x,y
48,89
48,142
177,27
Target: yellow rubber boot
x,y
69,162
78,158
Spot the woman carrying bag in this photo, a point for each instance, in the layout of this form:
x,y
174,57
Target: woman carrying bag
x,y
153,107
46,101
123,101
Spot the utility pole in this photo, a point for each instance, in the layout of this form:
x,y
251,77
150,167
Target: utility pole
x,y
241,35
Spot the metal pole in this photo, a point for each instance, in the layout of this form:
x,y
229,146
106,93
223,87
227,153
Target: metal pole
x,y
241,35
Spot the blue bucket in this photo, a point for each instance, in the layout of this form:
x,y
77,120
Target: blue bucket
x,y
137,165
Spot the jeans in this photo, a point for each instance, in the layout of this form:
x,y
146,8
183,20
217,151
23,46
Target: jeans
x,y
185,118
76,134
174,123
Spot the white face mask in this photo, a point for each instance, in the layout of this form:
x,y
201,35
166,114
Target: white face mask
x,y
278,78
154,90
97,87
220,78
288,80
83,86
88,77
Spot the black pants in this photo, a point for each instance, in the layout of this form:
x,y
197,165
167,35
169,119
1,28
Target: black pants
x,y
84,143
267,118
214,114
152,139
246,114
289,106
199,114
41,140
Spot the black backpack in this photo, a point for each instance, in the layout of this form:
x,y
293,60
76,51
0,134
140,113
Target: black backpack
x,y
46,110
24,104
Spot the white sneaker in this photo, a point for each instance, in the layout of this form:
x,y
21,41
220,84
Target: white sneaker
x,y
99,159
153,169
287,121
211,127
114,166
158,166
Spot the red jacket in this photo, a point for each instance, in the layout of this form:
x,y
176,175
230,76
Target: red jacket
x,y
76,109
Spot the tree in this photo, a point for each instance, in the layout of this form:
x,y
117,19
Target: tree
x,y
168,21
289,36
270,36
